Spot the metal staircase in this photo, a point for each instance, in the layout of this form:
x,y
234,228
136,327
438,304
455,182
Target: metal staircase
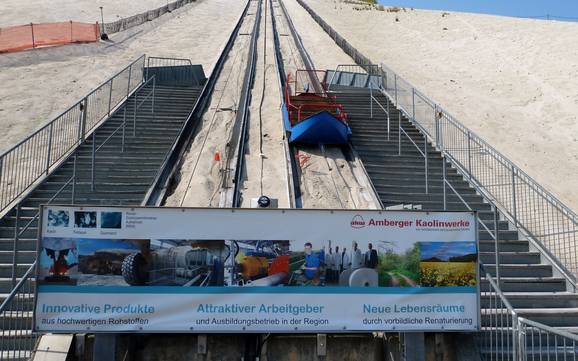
x,y
115,165
396,164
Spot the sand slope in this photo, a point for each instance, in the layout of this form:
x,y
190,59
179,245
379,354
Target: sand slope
x,y
38,85
17,12
512,81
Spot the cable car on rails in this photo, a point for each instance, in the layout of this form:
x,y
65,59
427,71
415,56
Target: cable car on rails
x,y
310,115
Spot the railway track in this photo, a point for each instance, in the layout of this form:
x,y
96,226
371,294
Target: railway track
x,y
323,177
205,166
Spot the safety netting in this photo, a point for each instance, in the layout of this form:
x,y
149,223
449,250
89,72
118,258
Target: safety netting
x,y
30,36
131,21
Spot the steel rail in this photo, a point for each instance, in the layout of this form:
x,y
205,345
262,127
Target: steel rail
x,y
307,61
243,111
292,167
293,191
348,151
175,156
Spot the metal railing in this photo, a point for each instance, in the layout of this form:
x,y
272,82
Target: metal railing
x,y
543,343
507,336
32,159
156,61
17,339
373,99
371,71
547,222
423,152
550,225
122,127
498,339
16,311
138,19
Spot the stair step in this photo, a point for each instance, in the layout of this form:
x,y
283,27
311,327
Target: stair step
x,y
489,258
529,284
533,299
520,270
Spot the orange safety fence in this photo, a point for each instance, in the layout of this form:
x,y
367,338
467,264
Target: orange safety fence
x,y
22,37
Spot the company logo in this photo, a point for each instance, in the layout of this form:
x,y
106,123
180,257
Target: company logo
x,y
357,221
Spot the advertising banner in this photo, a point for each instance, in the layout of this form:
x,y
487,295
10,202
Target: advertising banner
x,y
115,269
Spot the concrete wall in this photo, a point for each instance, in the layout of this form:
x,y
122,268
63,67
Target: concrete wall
x,y
231,347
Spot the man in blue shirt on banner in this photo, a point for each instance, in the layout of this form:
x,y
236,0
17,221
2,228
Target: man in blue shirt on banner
x,y
312,262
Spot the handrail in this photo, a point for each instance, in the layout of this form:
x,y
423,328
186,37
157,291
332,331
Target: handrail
x,y
368,68
374,99
498,290
554,210
559,332
36,156
494,331
25,277
509,336
122,125
535,211
171,61
423,153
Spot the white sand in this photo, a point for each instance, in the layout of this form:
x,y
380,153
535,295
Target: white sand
x,y
325,55
18,12
327,179
512,81
38,85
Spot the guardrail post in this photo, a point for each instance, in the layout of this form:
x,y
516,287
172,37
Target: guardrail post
x,y
110,96
93,160
426,165
145,76
413,103
514,203
385,77
516,338
123,132
444,180
395,84
129,79
134,114
84,109
371,101
470,155
49,151
73,198
124,110
388,121
33,39
15,245
437,124
497,243
399,134
154,95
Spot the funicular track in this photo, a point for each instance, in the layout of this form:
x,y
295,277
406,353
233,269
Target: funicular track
x,y
126,160
207,163
344,175
417,154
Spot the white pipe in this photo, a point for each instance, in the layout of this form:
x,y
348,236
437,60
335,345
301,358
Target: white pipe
x,y
272,280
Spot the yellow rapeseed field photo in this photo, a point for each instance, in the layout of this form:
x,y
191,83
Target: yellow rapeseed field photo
x,y
439,274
